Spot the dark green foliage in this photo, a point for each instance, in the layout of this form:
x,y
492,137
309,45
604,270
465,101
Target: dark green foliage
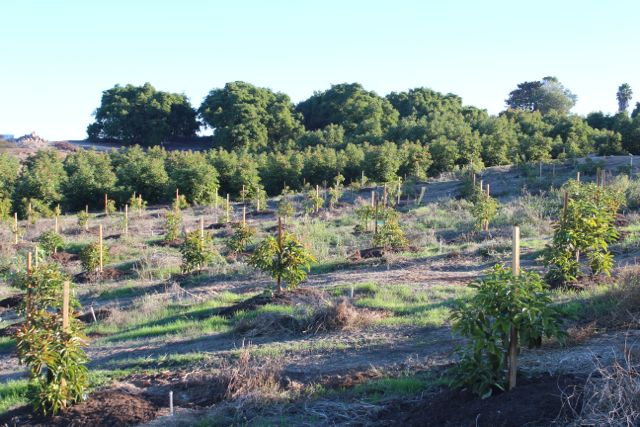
x,y
196,178
241,238
42,179
143,115
247,117
142,172
90,257
545,95
197,251
50,242
90,175
484,208
54,356
9,167
585,228
502,301
381,163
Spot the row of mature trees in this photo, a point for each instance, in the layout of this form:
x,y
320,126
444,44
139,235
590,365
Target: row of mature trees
x,y
250,119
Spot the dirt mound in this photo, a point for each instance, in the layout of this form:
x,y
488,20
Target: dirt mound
x,y
537,401
12,301
294,297
339,316
64,257
108,273
367,253
103,408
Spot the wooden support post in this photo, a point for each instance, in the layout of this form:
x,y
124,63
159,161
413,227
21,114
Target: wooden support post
x,y
373,198
29,257
215,200
55,224
482,186
101,267
384,195
244,216
399,189
202,228
258,203
65,306
473,179
15,228
279,283
375,219
228,207
488,191
29,215
126,220
177,199
106,204
513,333
86,210
28,304
578,177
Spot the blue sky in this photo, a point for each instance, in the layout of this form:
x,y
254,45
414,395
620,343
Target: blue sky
x,y
58,57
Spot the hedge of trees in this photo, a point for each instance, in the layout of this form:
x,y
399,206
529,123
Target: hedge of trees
x,y
247,119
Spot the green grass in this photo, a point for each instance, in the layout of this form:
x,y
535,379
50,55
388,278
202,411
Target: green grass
x,y
409,305
7,344
13,393
158,362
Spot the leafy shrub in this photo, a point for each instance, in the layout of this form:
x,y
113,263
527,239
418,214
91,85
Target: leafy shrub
x,y
590,167
53,354
390,235
111,207
484,209
241,238
137,204
90,257
5,208
197,251
504,307
313,201
50,241
335,192
364,213
180,203
285,259
285,207
587,225
83,219
172,225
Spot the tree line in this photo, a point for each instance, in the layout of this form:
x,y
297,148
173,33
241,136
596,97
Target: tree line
x,y
537,124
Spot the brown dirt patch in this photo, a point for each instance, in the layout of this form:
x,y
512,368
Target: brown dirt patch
x,y
109,273
101,314
367,253
10,330
64,257
103,408
534,402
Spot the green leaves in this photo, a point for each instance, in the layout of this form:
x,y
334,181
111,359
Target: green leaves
x,y
50,241
241,238
197,251
502,301
172,225
287,261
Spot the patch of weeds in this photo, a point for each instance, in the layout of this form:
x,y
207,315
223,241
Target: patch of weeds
x,y
163,361
13,393
7,344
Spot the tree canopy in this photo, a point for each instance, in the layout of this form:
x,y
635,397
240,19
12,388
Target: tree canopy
x,y
545,95
141,114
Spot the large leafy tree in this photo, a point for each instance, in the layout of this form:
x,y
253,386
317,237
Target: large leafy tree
x,y
143,115
250,118
142,172
91,175
41,181
363,114
196,178
624,95
9,167
544,95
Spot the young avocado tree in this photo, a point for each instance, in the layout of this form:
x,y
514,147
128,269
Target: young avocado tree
x,y
242,237
510,308
197,251
50,241
390,235
335,192
284,258
586,226
484,208
50,342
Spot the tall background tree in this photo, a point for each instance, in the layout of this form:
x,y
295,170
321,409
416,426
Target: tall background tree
x,y
624,96
250,118
544,95
143,115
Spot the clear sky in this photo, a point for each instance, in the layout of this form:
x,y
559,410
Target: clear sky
x,y
58,56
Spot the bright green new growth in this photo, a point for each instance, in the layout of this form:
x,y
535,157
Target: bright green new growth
x,y
586,226
484,208
335,192
285,259
50,242
502,301
83,219
53,354
197,251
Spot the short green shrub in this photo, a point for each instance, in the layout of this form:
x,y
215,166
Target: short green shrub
x,y
50,242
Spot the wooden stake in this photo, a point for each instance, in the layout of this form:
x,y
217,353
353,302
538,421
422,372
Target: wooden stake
x,y
398,198
375,218
244,216
65,306
29,256
177,199
513,333
373,198
279,284
55,224
101,269
201,228
86,210
126,220
578,177
565,203
15,228
93,314
228,218
106,204
258,203
243,194
488,191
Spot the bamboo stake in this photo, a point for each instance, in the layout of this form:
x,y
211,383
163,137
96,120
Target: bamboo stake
x,y
243,194
375,218
100,248
65,306
513,333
